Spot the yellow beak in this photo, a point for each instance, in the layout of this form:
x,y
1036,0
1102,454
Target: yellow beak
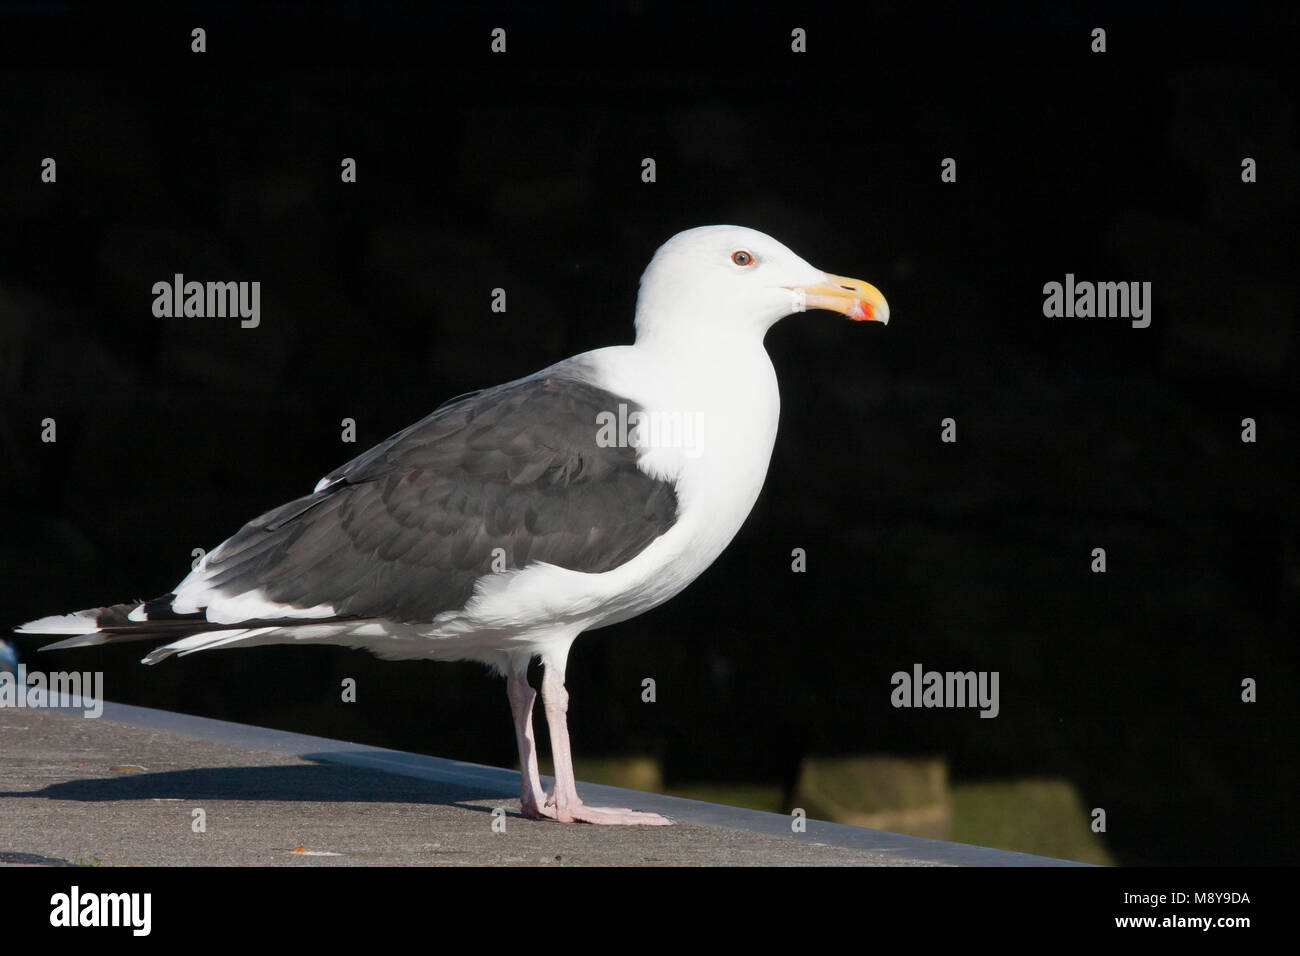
x,y
860,301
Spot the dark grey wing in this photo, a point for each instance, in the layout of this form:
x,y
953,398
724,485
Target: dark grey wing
x,y
406,529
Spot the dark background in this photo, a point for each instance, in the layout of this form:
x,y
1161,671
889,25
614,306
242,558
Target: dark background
x,y
523,171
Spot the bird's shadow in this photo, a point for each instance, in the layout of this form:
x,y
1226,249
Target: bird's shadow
x,y
320,782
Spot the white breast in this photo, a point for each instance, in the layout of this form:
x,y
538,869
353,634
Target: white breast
x,y
733,406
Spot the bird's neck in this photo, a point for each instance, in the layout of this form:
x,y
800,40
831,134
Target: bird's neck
x,y
690,339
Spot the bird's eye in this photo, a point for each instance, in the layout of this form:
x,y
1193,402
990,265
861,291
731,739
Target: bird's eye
x,y
742,258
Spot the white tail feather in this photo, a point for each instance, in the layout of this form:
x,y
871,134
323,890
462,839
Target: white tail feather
x,y
77,623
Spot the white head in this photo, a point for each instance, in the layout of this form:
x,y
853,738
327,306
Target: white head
x,y
736,281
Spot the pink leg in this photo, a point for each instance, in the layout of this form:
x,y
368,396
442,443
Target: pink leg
x,y
564,804
522,697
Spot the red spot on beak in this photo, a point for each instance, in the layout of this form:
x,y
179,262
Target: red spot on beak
x,y
862,312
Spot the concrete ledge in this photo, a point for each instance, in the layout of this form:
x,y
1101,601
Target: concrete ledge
x,y
123,789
